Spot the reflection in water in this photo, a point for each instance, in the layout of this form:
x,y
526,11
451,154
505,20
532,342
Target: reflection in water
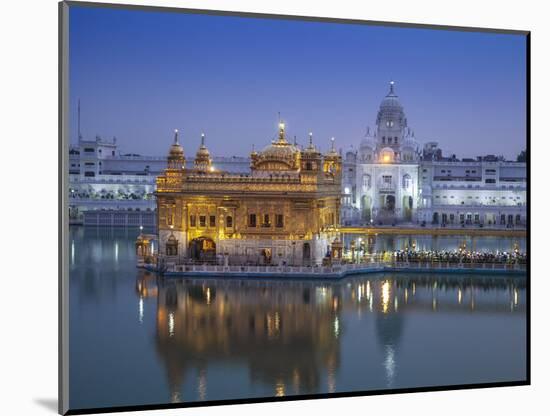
x,y
289,333
286,336
184,340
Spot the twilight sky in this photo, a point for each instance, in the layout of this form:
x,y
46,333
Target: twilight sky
x,y
140,74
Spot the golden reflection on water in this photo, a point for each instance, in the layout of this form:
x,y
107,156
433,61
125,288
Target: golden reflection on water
x,y
287,333
385,296
279,389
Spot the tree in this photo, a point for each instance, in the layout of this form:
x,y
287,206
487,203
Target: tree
x,y
522,157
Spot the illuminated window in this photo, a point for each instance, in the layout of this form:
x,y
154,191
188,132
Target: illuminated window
x,y
279,221
212,221
192,221
202,220
266,222
252,220
229,221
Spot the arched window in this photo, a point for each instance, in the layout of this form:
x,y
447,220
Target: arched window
x,y
366,181
384,140
406,181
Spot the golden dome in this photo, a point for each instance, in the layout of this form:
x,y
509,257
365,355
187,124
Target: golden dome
x,y
202,159
176,151
176,157
279,153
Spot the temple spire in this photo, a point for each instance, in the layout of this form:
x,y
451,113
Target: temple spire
x,y
282,138
202,139
176,136
392,92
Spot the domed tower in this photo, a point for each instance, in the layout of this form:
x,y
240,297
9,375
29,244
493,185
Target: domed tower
x,y
203,162
390,122
280,155
311,157
176,157
332,161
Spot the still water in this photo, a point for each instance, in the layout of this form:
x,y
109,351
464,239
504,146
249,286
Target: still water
x,y
136,339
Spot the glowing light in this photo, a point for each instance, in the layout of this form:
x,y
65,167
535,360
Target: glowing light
x,y
171,324
516,297
212,169
208,296
346,190
72,251
459,296
386,158
140,310
116,251
395,303
385,296
281,126
336,327
434,304
406,295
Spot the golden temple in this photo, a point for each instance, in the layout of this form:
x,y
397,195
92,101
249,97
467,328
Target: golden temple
x,y
286,210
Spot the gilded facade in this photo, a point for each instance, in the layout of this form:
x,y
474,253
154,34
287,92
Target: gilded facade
x,y
286,210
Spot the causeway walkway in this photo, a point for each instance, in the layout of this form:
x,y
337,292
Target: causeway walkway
x,y
337,271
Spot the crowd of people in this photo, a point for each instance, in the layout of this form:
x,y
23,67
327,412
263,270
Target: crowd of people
x,y
460,256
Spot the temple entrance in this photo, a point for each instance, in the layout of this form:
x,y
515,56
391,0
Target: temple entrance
x,y
266,255
202,249
306,257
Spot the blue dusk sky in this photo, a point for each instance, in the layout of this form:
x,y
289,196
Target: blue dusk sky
x,y
140,74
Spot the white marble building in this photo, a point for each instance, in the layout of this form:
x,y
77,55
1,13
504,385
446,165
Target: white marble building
x,y
391,180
